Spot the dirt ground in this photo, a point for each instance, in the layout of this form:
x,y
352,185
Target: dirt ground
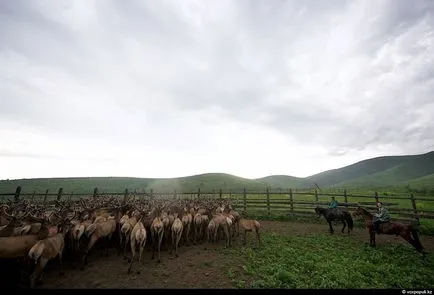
x,y
196,267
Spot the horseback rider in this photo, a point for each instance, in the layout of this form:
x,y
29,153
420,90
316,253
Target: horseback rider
x,y
333,204
382,216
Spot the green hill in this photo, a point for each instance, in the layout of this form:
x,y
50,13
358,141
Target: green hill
x,y
284,181
427,181
206,182
377,172
414,172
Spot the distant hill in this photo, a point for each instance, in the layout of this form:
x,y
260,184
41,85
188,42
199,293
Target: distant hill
x,y
411,171
284,181
206,183
378,172
425,182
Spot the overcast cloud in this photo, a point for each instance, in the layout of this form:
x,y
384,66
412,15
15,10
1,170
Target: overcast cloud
x,y
174,88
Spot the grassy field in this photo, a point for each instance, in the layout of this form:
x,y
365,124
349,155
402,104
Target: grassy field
x,y
325,261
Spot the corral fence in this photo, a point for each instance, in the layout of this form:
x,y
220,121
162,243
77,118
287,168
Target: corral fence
x,y
282,202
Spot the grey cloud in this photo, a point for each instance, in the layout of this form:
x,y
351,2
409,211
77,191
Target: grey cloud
x,y
10,153
152,56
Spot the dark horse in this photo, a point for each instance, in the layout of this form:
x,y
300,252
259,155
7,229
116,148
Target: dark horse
x,y
336,214
407,232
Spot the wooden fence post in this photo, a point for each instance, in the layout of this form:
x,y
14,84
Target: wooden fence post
x,y
70,196
198,192
125,195
235,197
152,194
413,204
291,200
268,202
33,196
46,196
17,194
346,198
376,198
59,194
316,196
245,200
95,192
220,193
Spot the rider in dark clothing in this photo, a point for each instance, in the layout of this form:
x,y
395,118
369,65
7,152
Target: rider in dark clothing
x,y
382,216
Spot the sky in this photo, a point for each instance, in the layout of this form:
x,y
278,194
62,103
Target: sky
x,y
163,88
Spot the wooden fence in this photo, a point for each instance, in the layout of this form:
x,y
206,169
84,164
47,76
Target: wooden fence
x,y
268,202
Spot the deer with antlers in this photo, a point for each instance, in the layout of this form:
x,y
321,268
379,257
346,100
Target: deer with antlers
x,y
15,220
18,246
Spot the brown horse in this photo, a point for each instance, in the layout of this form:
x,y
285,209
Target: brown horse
x,y
407,232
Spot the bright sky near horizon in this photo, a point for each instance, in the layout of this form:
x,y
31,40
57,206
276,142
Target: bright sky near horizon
x,y
175,88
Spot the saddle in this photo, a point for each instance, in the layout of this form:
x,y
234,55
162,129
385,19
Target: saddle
x,y
384,227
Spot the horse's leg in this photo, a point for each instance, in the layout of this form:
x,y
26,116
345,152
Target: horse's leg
x,y
372,238
345,225
406,236
330,225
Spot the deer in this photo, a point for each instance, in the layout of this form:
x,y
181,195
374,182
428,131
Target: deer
x,y
210,232
167,222
197,225
176,230
18,246
249,226
137,242
224,223
76,236
157,233
127,229
96,231
15,220
47,249
187,220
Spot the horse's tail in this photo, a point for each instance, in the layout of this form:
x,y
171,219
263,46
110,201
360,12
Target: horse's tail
x,y
416,238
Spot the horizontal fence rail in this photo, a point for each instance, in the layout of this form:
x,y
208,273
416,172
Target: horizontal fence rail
x,y
290,201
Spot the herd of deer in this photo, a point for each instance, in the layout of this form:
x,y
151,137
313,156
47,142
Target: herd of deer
x,y
38,232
